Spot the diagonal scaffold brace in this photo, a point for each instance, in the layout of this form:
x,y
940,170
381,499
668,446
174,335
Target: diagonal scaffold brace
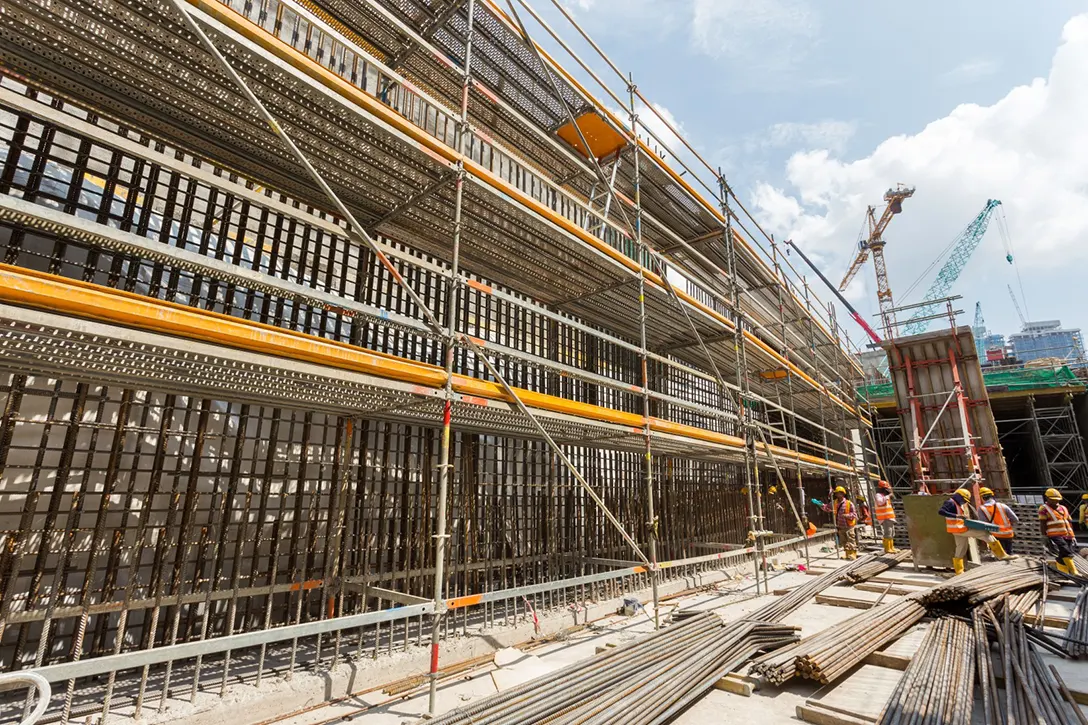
x,y
755,505
356,231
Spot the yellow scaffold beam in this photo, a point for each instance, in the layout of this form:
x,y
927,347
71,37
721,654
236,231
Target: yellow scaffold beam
x,y
85,300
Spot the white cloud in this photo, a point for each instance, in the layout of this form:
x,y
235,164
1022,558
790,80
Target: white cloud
x,y
828,134
970,71
765,37
1028,149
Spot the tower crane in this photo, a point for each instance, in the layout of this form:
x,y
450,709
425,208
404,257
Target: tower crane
x,y
979,331
963,246
1016,304
874,243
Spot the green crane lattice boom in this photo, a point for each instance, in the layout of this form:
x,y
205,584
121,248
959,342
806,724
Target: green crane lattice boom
x,y
962,248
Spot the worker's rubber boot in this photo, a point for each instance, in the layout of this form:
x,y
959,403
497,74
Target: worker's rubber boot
x,y
1061,567
851,555
889,546
999,551
957,566
1070,566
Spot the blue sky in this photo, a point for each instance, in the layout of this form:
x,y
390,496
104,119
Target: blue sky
x,y
815,108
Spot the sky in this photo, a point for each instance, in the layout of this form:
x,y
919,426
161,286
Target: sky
x,y
813,108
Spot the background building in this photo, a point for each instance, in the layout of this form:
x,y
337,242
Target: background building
x,y
1047,338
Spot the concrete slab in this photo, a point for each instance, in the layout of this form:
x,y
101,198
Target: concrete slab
x,y
525,669
848,596
909,643
862,694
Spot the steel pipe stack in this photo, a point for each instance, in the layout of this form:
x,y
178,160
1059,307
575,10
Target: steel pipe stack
x,y
938,686
1076,631
988,582
829,654
646,682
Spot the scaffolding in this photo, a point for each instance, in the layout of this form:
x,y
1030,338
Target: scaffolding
x,y
333,328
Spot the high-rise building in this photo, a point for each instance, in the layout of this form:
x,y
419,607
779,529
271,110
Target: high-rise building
x,y
1047,338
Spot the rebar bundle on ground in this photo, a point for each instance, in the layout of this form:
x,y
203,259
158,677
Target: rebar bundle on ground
x,y
864,568
987,582
870,566
1033,692
1076,631
1020,603
646,682
984,665
938,686
827,655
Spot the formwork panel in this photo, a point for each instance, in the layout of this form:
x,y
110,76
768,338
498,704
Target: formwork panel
x,y
944,410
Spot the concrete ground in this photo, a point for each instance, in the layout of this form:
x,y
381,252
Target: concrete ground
x,y
732,595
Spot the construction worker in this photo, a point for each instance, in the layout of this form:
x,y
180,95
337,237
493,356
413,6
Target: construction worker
x,y
845,520
1056,525
955,510
993,511
885,515
1082,510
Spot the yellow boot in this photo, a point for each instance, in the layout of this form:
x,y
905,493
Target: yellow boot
x,y
851,555
1061,567
1070,566
957,566
999,551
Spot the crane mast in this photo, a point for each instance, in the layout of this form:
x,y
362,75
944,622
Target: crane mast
x,y
874,244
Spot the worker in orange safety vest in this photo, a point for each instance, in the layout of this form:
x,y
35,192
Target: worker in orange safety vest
x,y
1056,525
885,515
1001,515
845,520
955,510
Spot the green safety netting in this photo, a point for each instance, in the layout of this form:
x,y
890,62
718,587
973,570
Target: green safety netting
x,y
1019,379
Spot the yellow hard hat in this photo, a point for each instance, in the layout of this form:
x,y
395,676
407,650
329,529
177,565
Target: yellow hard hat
x,y
1084,495
840,489
985,492
1053,495
963,492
